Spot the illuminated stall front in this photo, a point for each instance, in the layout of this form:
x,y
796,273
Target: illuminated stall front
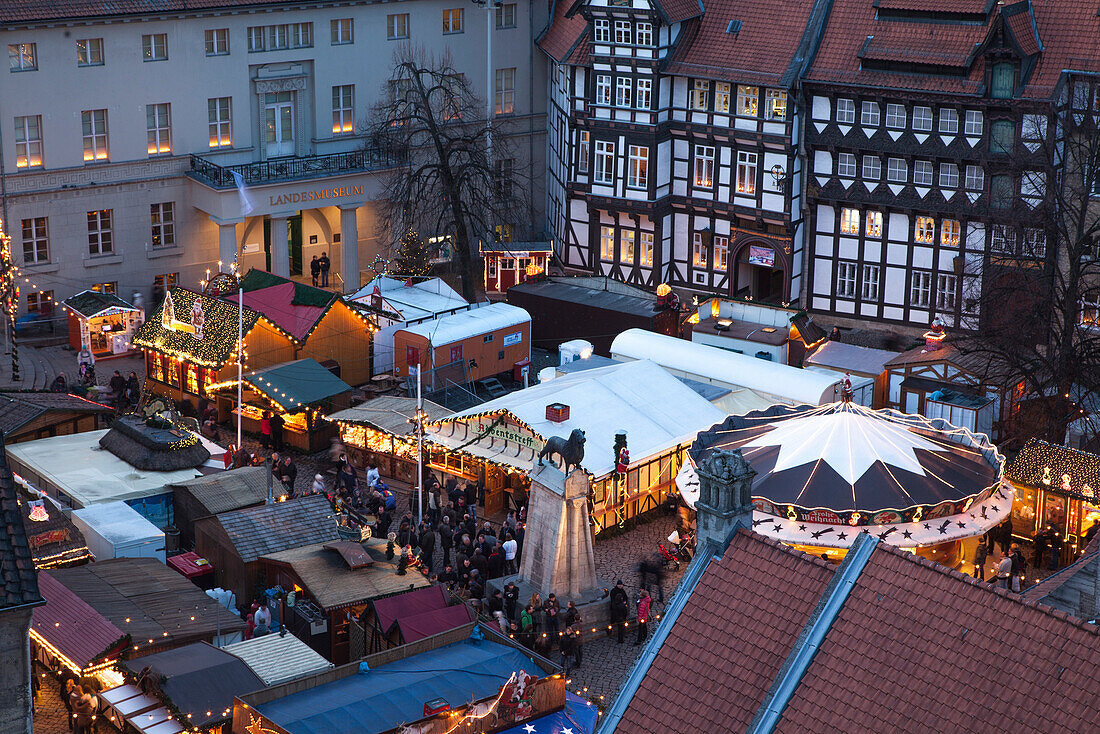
x,y
1055,486
102,323
826,473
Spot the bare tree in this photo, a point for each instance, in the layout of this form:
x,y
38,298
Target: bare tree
x,y
449,191
1040,325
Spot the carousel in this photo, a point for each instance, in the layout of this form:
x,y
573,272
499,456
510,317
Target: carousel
x,y
826,473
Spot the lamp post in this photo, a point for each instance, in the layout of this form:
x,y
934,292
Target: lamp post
x,y
490,7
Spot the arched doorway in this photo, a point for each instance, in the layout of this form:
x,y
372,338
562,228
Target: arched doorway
x,y
760,272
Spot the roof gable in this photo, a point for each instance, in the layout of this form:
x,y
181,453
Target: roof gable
x,y
90,303
220,325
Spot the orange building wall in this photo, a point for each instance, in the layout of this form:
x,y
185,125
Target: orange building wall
x,y
485,354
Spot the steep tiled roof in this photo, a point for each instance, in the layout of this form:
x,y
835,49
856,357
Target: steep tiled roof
x,y
914,647
761,52
730,640
256,531
17,574
564,32
1085,564
18,409
935,6
677,11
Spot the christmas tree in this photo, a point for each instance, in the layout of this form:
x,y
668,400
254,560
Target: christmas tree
x,y
412,255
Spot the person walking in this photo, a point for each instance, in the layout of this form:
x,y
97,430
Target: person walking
x,y
643,616
619,604
315,270
265,430
1019,567
527,627
446,538
566,648
276,423
981,553
427,545
509,547
1055,549
471,499
577,634
68,684
288,473
324,264
1004,570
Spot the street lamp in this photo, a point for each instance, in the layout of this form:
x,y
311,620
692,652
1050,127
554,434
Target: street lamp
x,y
490,7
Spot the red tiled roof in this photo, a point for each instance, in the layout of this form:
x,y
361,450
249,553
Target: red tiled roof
x,y
68,623
37,10
928,43
936,6
760,53
582,54
1022,27
918,646
1070,33
915,647
677,11
730,640
563,34
1055,581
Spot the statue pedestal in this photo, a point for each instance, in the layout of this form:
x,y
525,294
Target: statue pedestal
x,y
557,548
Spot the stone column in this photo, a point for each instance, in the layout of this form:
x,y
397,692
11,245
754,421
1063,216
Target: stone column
x,y
227,241
557,550
280,248
725,497
349,247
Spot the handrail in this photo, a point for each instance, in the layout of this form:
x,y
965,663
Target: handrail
x,y
290,169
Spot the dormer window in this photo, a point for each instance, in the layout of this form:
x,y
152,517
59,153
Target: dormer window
x,y
1003,80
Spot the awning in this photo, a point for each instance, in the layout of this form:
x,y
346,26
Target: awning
x,y
71,629
294,385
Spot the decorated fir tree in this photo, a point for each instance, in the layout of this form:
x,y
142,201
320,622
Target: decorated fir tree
x,y
412,255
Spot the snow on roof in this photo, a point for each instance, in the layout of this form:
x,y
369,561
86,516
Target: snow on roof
x,y
657,411
700,361
465,324
90,474
420,300
117,522
841,356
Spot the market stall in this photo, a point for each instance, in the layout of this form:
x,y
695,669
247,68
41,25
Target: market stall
x,y
511,263
826,473
102,323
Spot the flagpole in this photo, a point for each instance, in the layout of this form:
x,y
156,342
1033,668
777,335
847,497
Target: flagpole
x,y
240,356
419,450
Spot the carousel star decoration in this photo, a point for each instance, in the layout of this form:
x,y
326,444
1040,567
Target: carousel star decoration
x,y
529,729
566,730
907,534
841,536
801,528
834,436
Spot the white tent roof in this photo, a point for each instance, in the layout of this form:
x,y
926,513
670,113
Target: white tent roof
x,y
657,411
77,466
277,658
417,301
465,324
711,364
118,523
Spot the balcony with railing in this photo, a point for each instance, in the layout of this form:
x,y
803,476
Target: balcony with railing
x,y
279,170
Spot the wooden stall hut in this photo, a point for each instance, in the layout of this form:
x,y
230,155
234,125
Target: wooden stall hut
x,y
381,431
27,416
234,541
320,323
333,583
102,323
190,344
67,634
512,263
278,658
206,496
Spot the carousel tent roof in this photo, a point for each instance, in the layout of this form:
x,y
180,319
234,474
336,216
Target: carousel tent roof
x,y
846,457
712,364
92,303
292,385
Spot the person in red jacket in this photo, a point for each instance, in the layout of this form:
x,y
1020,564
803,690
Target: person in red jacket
x,y
644,601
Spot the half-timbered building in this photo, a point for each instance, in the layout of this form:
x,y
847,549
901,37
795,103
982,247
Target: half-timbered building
x,y
929,173
673,141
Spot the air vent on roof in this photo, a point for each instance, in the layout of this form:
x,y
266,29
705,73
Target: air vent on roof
x,y
734,27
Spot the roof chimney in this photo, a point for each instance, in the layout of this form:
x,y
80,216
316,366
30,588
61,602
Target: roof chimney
x,y
557,412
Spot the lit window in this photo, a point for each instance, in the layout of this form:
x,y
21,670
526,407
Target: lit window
x,y
922,173
343,109
505,16
601,30
896,171
220,122
452,20
109,288
870,282
647,250
637,172
700,89
603,89
776,104
505,91
922,119
869,114
949,121
722,97
28,141
217,41
704,166
973,124
100,240
626,246
746,100
925,230
846,165
845,111
154,47
946,290
872,167
846,280
895,116
949,176
94,127
874,224
397,26
920,291
584,138
341,31
746,173
89,52
949,232
36,241
643,34
1090,311
607,243
605,163
23,56
192,383
975,178
1003,239
849,221
622,32
623,87
1035,243
698,251
645,88
158,128
162,218
721,252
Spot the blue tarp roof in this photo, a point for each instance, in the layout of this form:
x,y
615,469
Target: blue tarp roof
x,y
578,717
394,694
